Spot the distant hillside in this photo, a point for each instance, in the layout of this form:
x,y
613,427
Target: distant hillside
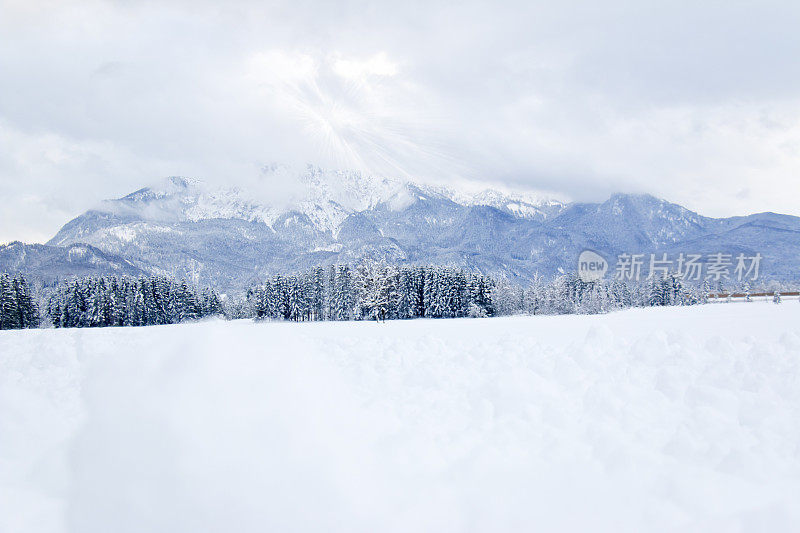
x,y
50,263
225,237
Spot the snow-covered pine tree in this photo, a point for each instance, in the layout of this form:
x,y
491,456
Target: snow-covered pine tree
x,y
294,297
655,296
407,293
705,291
344,294
53,310
417,297
392,277
485,297
283,305
318,294
433,298
210,304
26,308
372,290
535,296
330,292
9,318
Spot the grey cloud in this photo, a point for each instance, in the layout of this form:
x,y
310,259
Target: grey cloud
x,y
691,102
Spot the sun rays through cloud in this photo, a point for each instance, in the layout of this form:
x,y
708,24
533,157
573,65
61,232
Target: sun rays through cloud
x,y
574,99
351,111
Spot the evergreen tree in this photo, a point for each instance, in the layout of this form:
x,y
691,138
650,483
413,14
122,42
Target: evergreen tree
x,y
318,294
9,317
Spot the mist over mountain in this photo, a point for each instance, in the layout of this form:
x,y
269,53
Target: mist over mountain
x,y
230,238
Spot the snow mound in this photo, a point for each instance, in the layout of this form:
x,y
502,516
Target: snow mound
x,y
645,420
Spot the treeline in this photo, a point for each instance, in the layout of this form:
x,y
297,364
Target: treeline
x,y
123,301
568,294
367,291
373,291
18,308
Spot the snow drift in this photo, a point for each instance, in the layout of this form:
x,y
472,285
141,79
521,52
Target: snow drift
x,y
643,420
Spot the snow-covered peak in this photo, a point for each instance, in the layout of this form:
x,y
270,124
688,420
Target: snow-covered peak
x,y
187,199
325,196
352,189
522,205
650,208
166,188
359,191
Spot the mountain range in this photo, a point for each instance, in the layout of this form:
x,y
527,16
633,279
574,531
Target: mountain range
x,y
225,237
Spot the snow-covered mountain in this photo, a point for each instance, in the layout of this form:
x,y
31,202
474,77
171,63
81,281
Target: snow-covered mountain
x,y
58,262
327,198
231,237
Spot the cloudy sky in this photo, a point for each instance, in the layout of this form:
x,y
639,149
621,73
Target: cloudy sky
x,y
698,104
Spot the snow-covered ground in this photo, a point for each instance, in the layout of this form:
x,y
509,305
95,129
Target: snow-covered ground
x,y
645,420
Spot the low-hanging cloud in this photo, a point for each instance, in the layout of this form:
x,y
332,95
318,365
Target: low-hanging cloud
x,y
697,104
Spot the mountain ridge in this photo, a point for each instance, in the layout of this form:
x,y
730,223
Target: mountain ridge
x,y
223,237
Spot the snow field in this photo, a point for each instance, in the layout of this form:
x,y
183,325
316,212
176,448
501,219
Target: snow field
x,y
644,420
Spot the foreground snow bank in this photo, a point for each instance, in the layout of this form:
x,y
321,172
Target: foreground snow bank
x,y
659,419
